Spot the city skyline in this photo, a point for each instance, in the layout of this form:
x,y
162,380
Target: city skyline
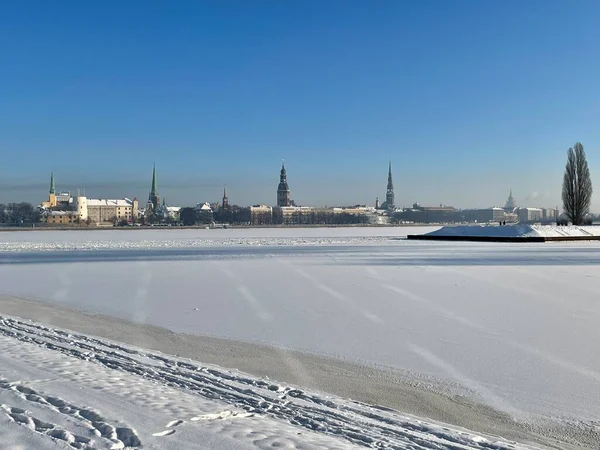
x,y
488,98
155,197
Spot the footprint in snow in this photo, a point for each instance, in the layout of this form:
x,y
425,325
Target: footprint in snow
x,y
174,423
121,436
227,414
222,415
164,433
169,431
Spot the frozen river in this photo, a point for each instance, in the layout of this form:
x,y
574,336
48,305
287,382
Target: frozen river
x,y
513,325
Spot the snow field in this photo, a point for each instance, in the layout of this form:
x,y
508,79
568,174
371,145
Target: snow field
x,y
517,231
511,326
199,406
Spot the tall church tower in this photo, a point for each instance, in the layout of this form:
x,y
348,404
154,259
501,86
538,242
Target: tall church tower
x,y
225,203
283,190
153,198
52,202
389,196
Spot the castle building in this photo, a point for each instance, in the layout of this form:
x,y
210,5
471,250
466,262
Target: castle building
x,y
106,210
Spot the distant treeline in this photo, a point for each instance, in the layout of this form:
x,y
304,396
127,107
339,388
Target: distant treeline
x,y
237,215
18,213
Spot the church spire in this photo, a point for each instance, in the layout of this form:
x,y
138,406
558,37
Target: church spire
x,y
154,189
389,196
225,202
52,187
153,198
283,190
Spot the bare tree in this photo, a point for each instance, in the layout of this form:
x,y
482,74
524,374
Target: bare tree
x,y
577,185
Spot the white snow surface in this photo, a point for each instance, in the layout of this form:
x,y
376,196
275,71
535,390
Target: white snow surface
x,y
515,325
517,231
60,389
145,239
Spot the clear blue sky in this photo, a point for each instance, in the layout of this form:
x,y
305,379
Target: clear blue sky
x,y
468,98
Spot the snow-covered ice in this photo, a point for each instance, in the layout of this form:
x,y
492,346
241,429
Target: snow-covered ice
x,y
517,231
512,325
60,389
145,239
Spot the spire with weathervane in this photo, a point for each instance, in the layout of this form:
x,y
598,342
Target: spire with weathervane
x,y
389,196
283,190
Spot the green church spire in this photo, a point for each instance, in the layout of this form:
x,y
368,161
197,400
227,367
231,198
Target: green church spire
x,y
153,198
52,187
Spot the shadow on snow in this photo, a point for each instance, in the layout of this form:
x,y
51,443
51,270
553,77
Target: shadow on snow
x,y
418,254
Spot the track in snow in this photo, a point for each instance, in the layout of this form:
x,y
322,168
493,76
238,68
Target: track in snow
x,y
357,423
98,426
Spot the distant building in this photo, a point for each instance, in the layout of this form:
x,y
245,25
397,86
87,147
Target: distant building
x,y
288,215
261,215
60,217
62,200
80,206
510,203
498,214
283,190
389,196
203,207
225,202
106,210
153,197
529,215
204,212
307,215
430,214
51,203
167,212
173,212
377,205
550,214
485,215
358,209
